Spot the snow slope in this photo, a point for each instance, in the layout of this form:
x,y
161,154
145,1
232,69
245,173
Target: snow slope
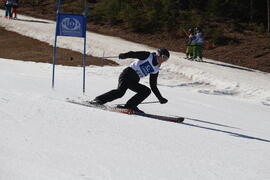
x,y
225,134
223,78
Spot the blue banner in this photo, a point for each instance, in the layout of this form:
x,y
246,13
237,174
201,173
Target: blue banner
x,y
71,25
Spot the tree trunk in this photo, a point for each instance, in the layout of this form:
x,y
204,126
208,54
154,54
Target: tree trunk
x,y
251,11
268,15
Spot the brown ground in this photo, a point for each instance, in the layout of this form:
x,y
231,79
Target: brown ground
x,y
250,50
16,46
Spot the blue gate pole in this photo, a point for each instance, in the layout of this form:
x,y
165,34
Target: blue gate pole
x,y
55,42
54,54
84,57
84,53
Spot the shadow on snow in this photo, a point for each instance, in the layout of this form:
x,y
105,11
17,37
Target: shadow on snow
x,y
222,131
230,66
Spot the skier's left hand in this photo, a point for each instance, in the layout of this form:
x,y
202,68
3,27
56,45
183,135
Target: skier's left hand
x,y
163,100
121,56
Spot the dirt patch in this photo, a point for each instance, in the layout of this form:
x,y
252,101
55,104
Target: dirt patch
x,y
16,46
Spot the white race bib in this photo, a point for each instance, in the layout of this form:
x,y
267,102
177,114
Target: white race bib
x,y
145,67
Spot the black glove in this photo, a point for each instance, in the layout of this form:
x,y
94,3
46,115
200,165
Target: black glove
x,y
163,100
121,56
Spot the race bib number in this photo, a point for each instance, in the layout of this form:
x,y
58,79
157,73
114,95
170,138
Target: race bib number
x,y
146,68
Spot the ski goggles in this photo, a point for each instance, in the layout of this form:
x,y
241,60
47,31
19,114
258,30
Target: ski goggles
x,y
165,57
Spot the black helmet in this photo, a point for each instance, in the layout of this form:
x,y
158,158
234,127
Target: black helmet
x,y
164,53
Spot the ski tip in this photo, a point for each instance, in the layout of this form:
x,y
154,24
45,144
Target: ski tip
x,y
180,119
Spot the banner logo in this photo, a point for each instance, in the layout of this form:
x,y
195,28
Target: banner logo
x,y
70,24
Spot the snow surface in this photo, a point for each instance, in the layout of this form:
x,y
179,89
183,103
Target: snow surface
x,y
225,134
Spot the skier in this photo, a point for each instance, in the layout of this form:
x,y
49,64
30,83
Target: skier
x,y
199,41
190,44
146,63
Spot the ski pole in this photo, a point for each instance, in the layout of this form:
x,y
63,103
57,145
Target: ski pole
x,y
150,102
105,57
78,58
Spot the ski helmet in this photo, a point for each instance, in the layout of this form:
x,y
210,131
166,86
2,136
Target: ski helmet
x,y
164,53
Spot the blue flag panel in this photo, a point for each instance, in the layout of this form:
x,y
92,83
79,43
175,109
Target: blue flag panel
x,y
71,25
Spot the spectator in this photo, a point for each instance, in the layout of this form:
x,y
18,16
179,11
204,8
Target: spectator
x,y
8,6
190,44
199,41
14,8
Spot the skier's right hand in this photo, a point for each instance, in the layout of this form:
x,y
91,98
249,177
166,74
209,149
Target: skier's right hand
x,y
121,56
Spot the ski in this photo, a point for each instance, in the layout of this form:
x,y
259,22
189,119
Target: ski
x,y
128,111
102,107
160,117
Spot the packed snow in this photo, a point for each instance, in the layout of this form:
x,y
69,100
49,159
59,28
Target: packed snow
x,y
225,134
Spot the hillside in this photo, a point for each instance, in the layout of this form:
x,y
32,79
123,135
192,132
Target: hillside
x,y
244,47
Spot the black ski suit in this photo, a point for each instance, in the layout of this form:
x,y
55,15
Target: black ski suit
x,y
129,79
